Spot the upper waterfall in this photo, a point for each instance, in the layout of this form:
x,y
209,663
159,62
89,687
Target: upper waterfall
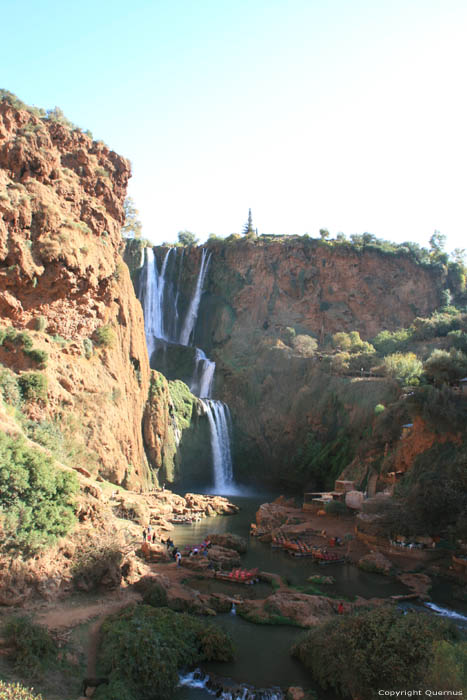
x,y
192,313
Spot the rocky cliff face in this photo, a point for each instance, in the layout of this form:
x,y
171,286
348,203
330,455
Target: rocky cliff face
x,y
254,290
62,279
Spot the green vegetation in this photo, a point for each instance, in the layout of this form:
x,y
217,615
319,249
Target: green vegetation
x,y
9,388
143,647
248,227
36,499
155,595
87,348
132,227
34,648
351,342
40,323
405,368
15,691
105,336
40,357
432,496
183,401
33,386
187,238
380,649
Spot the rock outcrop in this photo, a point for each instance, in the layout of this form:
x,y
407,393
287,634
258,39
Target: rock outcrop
x,y
62,279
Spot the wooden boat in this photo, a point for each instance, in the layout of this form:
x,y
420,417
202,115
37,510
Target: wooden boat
x,y
238,576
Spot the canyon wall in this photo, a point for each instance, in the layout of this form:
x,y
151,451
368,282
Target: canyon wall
x,y
63,281
257,289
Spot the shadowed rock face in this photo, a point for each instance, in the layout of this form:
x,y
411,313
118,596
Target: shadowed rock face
x,y
254,290
61,211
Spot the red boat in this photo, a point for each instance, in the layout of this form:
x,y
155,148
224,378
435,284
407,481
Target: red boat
x,y
238,576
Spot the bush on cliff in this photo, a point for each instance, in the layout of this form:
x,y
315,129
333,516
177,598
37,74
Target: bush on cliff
x,y
36,499
104,336
143,648
379,649
15,691
33,386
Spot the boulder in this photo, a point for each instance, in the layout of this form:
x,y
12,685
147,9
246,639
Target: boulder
x,y
375,561
223,557
230,541
418,583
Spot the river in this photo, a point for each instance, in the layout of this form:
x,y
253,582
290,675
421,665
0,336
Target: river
x,y
262,651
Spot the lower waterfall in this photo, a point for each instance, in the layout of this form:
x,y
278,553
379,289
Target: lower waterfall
x,y
220,424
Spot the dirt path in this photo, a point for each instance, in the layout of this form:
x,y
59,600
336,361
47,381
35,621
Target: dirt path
x,y
66,616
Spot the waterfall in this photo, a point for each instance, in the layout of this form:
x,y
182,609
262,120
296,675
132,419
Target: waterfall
x,y
203,375
159,296
446,612
225,689
220,424
192,313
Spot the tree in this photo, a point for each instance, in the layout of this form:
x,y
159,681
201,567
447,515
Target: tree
x,y
437,242
248,228
446,367
379,649
132,227
406,368
324,233
187,238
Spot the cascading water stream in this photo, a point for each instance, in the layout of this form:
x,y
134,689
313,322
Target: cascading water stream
x,y
159,298
220,423
192,313
199,679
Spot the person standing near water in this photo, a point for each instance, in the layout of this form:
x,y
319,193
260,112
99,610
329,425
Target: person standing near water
x,y
178,558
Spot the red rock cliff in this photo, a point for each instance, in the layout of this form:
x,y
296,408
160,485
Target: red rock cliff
x,y
62,278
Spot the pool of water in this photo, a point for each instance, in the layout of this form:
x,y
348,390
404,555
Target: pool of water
x,y
263,651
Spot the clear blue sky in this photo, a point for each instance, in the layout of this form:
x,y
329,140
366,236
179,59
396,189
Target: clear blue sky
x,y
344,114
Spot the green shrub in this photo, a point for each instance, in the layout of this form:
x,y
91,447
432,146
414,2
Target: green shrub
x,y
351,342
15,691
40,357
40,323
9,388
448,671
102,172
46,433
24,340
156,596
405,368
34,648
446,367
387,342
376,650
95,563
104,336
33,386
36,499
88,348
305,345
143,648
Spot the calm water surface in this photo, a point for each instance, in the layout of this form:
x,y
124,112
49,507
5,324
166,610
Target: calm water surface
x,y
262,651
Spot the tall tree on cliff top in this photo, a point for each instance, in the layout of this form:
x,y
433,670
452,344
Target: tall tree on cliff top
x,y
248,228
132,227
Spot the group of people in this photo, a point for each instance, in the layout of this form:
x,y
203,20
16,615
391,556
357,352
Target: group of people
x,y
149,534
